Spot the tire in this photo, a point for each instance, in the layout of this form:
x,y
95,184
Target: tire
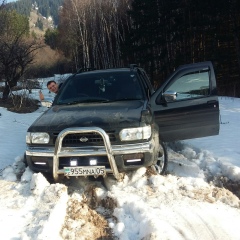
x,y
160,167
25,160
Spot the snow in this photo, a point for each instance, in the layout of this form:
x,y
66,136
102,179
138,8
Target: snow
x,y
184,204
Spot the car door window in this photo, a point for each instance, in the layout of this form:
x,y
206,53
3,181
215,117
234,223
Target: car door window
x,y
191,85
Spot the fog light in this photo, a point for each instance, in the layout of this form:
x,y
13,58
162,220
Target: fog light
x,y
134,160
93,162
73,163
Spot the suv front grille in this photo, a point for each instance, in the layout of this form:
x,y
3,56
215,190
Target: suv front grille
x,y
84,139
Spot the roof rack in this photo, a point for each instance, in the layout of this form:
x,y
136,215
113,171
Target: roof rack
x,y
132,66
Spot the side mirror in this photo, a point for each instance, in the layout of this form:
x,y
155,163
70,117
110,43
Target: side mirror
x,y
47,104
170,96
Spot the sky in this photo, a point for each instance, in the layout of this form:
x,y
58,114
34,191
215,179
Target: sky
x,y
187,203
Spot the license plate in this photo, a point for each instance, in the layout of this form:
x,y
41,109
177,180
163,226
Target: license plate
x,y
84,171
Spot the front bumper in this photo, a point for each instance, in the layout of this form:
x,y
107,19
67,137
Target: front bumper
x,y
51,156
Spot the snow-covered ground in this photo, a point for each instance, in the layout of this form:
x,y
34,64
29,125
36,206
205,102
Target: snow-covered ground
x,y
190,202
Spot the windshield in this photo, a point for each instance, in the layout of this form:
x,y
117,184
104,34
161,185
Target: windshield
x,y
100,87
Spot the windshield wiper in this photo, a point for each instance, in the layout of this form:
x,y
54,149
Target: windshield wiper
x,y
127,99
87,100
93,100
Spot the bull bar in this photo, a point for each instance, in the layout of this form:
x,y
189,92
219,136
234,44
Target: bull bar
x,y
107,150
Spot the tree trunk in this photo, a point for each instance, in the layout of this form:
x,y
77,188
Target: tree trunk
x,y
6,91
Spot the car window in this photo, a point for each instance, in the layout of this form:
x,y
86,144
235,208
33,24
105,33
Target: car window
x,y
101,87
191,85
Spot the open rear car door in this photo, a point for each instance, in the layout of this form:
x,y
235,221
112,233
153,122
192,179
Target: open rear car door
x,y
186,106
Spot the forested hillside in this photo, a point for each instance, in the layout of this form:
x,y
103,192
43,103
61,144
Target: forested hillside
x,y
46,8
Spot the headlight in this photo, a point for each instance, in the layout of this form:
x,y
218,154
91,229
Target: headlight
x,y
131,134
37,138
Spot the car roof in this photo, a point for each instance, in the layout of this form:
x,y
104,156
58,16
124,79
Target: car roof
x,y
109,70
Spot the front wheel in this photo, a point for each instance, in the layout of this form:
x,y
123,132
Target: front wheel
x,y
160,167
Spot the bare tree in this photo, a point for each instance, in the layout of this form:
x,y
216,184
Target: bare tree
x,y
16,49
15,57
94,31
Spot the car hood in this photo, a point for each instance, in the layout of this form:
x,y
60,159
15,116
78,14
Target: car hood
x,y
108,116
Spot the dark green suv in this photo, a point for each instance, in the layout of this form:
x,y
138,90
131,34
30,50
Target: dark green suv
x,y
111,121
